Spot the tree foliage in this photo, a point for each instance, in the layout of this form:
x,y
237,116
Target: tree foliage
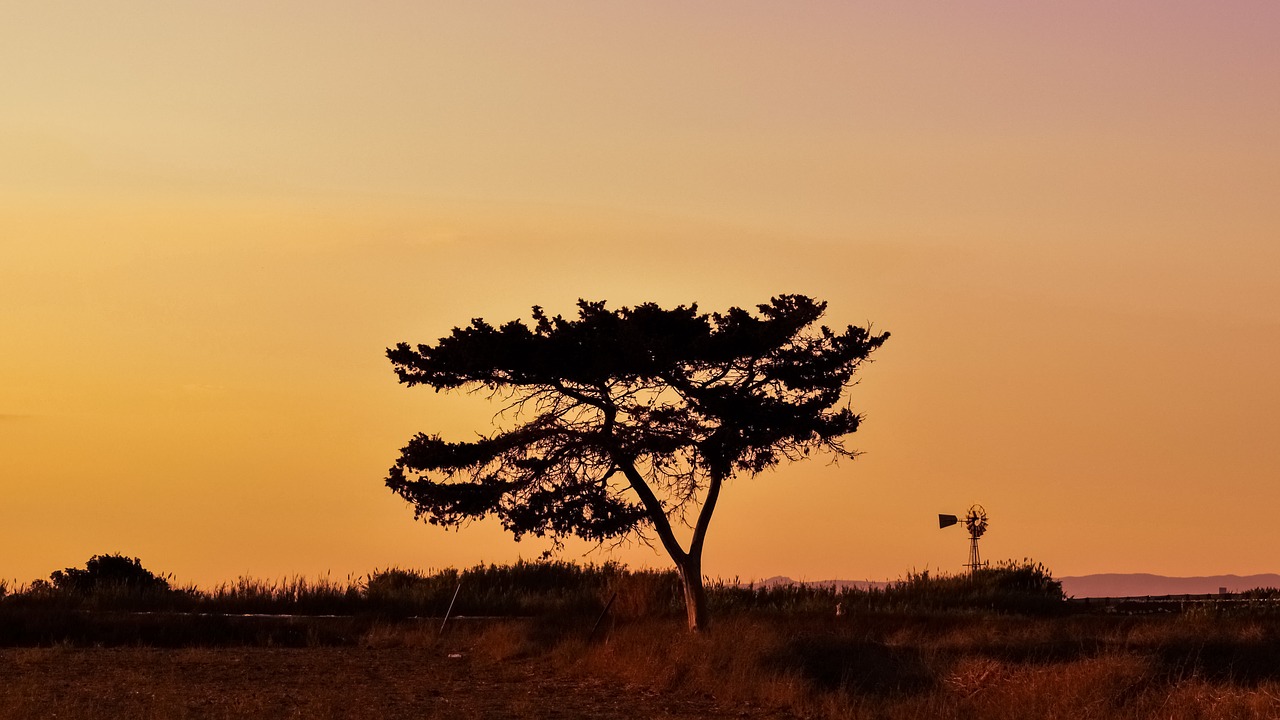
x,y
620,422
108,572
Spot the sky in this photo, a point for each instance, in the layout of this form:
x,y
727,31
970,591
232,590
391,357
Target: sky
x,y
215,218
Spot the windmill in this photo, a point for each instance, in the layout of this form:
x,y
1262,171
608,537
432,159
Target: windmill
x,y
976,522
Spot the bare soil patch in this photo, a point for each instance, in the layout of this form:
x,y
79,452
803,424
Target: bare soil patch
x,y
324,682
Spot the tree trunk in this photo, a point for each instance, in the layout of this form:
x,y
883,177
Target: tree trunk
x,y
688,563
695,595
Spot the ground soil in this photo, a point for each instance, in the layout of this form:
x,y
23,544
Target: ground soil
x,y
313,683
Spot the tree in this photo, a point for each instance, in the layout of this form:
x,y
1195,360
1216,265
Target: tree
x,y
115,572
627,422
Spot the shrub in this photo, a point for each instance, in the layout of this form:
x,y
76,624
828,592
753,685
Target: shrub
x,y
1010,586
114,572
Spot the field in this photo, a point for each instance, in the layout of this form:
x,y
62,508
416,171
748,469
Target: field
x,y
873,666
925,652
322,682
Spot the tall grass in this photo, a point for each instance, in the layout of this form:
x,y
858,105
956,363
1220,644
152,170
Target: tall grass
x,y
556,592
551,588
522,588
1017,587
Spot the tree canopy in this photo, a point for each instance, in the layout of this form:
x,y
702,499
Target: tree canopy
x,y
113,571
621,422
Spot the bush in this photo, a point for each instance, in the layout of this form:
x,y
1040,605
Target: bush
x,y
109,572
1021,587
1014,587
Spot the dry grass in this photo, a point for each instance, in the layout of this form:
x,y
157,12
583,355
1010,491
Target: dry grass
x,y
468,674
890,666
979,667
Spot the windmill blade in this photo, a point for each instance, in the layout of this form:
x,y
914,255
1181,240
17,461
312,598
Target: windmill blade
x,y
976,521
947,520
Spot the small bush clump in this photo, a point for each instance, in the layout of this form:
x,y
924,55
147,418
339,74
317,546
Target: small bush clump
x,y
1019,587
1012,587
114,572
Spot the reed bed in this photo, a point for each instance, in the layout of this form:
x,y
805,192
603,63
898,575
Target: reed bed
x,y
540,589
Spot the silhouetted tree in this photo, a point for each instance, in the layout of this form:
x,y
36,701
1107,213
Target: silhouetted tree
x,y
109,571
630,420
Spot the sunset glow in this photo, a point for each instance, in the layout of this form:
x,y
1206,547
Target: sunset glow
x,y
215,218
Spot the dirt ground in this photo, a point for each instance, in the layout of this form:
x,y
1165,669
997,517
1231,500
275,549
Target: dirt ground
x,y
326,682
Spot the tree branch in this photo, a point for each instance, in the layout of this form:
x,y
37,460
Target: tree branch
x,y
656,512
704,518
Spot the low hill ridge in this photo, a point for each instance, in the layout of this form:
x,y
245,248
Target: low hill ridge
x,y
1137,584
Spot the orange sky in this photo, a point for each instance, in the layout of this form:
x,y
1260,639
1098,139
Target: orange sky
x,y
214,217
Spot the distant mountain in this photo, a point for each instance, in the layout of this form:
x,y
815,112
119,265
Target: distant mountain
x,y
1138,584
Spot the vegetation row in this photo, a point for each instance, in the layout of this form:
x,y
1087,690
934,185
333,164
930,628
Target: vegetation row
x,y
119,583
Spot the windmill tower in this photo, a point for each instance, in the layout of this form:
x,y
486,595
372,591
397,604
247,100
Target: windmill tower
x,y
976,523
